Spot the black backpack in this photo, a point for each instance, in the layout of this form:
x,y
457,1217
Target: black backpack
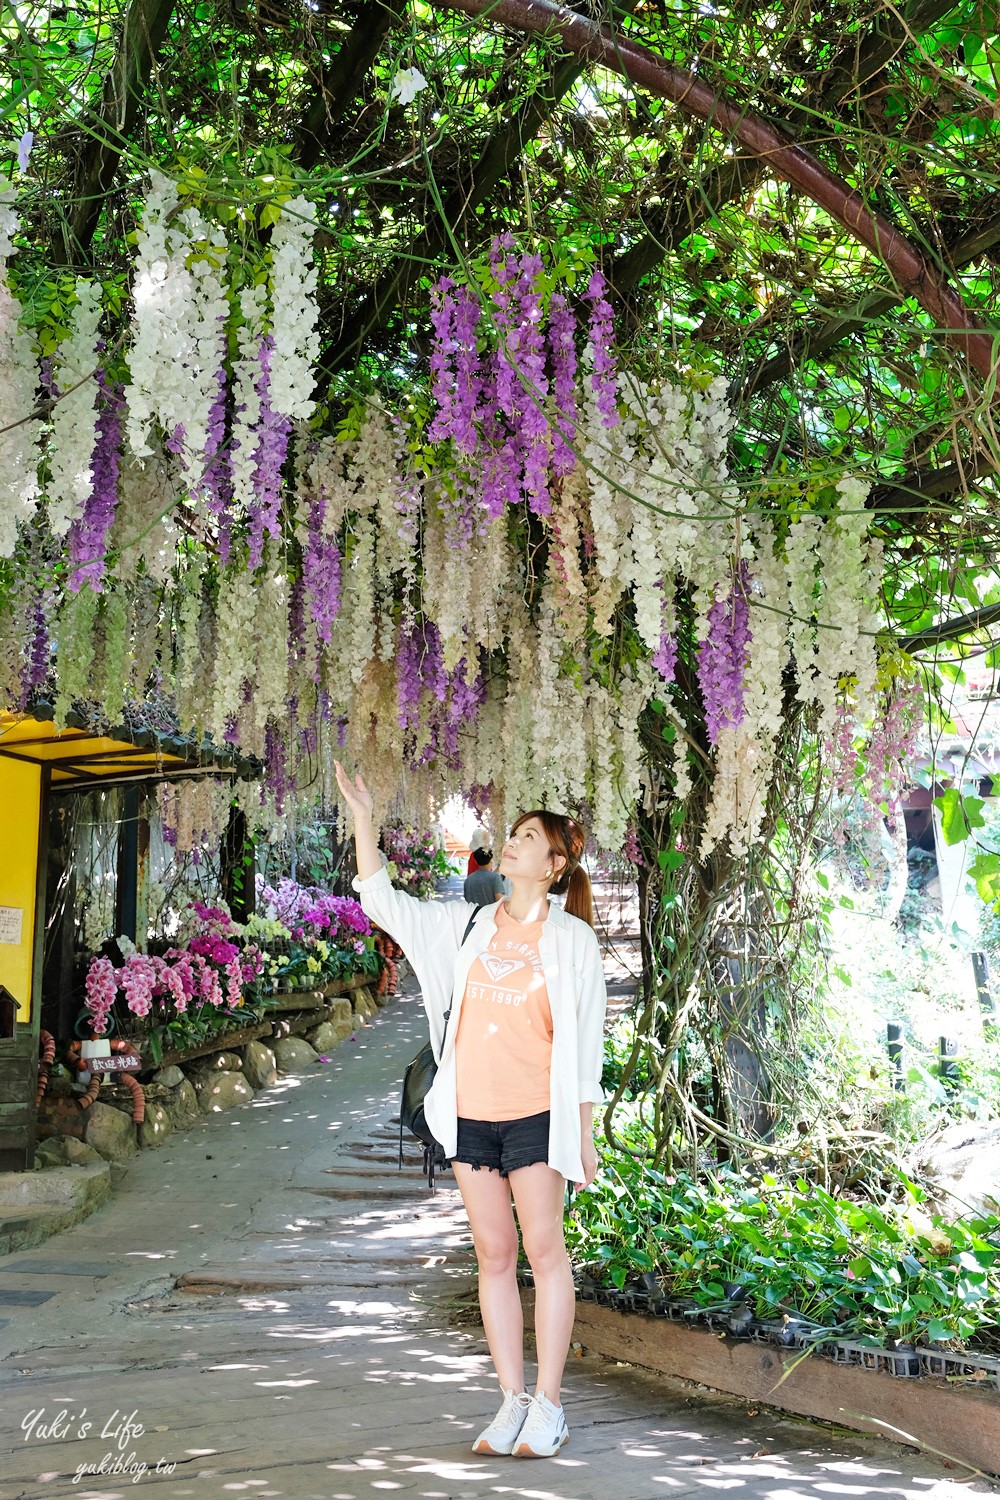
x,y
417,1080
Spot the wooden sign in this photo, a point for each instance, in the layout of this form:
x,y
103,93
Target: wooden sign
x,y
121,1062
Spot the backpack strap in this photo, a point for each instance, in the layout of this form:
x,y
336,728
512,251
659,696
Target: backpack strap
x,y
468,928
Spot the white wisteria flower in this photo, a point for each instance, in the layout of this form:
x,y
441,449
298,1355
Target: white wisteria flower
x,y
74,416
295,315
21,433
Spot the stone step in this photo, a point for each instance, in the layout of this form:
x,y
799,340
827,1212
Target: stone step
x,y
35,1205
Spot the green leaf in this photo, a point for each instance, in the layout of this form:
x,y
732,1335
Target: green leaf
x,y
985,871
959,815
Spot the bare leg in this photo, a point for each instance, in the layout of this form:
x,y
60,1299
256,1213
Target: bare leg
x,y
486,1196
539,1195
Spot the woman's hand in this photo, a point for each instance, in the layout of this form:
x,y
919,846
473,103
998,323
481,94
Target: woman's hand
x,y
589,1154
356,794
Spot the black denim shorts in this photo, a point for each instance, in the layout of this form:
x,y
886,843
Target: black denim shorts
x,y
503,1145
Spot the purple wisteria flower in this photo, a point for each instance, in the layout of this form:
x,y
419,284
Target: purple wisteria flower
x,y
604,374
272,433
456,375
562,349
88,535
533,424
464,702
500,469
442,379
468,371
420,668
218,476
321,575
409,687
495,409
505,273
722,657
665,657
276,773
479,798
38,652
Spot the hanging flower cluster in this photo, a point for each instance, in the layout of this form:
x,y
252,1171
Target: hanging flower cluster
x,y
480,592
511,410
20,429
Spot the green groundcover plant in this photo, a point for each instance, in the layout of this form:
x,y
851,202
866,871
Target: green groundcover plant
x,y
787,1249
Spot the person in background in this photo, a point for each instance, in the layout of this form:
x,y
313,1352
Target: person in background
x,y
480,855
485,885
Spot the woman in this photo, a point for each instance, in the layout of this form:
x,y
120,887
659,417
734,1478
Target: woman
x,y
519,1073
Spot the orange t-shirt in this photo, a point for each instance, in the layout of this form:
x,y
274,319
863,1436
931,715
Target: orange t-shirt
x,y
503,1050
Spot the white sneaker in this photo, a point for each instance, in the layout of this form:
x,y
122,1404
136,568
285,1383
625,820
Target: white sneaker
x,y
544,1431
502,1433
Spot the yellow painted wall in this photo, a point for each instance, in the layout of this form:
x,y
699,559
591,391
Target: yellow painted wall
x,y
20,797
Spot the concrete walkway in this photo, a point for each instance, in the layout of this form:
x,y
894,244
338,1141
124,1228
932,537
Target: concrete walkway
x,y
268,1308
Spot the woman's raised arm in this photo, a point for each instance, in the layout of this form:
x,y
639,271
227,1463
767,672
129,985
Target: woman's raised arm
x,y
419,927
359,800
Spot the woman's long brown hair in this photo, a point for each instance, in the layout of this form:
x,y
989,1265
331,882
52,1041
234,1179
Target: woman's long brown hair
x,y
566,837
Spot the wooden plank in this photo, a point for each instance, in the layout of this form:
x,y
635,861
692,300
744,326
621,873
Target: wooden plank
x,y
961,1423
23,1045
15,1081
217,1044
297,1000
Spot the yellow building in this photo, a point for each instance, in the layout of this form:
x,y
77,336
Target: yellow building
x,y
37,763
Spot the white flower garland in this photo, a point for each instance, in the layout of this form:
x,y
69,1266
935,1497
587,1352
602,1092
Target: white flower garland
x,y
19,442
843,653
295,312
189,669
73,431
246,398
178,323
237,609
800,557
267,664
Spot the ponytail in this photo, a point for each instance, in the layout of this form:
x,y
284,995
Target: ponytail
x,y
568,839
579,897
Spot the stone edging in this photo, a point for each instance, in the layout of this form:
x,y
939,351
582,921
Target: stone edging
x,y
958,1422
225,1071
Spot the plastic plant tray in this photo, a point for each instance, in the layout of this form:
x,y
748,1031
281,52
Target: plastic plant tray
x,y
961,1364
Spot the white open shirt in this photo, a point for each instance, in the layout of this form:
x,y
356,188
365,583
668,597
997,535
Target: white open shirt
x,y
430,934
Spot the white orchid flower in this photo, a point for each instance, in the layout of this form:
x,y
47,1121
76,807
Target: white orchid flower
x,y
407,84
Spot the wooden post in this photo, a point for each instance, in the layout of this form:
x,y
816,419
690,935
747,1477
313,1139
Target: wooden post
x,y
238,865
894,1038
127,901
948,1060
981,970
